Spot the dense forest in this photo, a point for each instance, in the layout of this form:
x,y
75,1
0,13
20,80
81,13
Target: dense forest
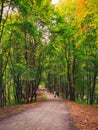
x,y
54,45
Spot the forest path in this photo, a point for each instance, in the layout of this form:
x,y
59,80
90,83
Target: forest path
x,y
51,114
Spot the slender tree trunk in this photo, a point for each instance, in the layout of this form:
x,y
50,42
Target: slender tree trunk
x,y
1,76
1,80
1,58
93,86
26,63
71,81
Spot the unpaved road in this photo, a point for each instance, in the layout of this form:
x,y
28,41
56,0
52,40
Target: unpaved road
x,y
52,114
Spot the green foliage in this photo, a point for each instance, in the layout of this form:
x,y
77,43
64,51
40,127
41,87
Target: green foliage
x,y
56,46
43,96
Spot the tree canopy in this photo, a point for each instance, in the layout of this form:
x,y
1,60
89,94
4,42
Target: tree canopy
x,y
52,44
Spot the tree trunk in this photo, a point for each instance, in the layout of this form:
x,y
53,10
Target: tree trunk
x,y
71,81
1,76
93,86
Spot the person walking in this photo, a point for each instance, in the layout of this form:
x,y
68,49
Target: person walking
x,y
55,94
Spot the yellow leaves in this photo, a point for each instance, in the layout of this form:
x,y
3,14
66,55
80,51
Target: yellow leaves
x,y
81,8
78,45
82,4
65,7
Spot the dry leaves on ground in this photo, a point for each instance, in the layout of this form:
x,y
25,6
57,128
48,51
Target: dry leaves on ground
x,y
84,117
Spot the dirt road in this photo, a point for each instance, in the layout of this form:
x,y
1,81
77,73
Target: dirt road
x,y
52,114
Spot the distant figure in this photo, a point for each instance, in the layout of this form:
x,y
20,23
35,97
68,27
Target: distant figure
x,y
55,94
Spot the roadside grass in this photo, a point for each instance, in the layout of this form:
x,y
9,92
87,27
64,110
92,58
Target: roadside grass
x,y
43,96
84,102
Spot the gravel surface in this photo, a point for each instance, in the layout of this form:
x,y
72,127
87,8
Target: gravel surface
x,y
51,114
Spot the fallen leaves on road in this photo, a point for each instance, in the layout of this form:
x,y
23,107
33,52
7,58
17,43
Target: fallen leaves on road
x,y
84,117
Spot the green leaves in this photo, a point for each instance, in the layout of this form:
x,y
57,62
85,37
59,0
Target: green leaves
x,y
29,27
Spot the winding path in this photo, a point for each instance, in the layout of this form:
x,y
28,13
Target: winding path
x,y
52,114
